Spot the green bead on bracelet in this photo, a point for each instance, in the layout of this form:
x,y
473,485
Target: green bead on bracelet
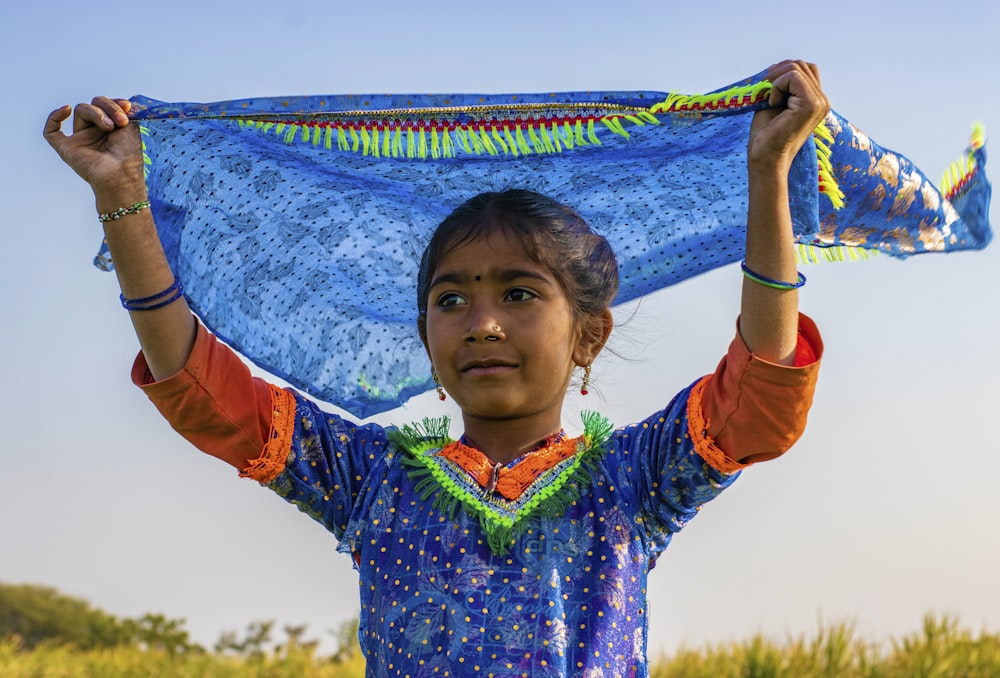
x,y
771,282
123,211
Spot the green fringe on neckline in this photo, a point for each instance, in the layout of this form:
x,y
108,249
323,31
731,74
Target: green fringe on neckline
x,y
429,433
421,441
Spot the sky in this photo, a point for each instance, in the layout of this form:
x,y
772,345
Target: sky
x,y
884,511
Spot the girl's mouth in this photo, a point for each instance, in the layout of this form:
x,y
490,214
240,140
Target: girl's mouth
x,y
487,367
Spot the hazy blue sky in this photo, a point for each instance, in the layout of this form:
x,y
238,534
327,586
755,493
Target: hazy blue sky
x,y
885,510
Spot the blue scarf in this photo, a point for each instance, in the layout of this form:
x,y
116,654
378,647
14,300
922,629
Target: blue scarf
x,y
296,224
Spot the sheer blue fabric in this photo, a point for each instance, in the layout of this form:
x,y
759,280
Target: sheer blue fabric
x,y
297,224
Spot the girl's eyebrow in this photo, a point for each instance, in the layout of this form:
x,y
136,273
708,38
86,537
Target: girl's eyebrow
x,y
506,275
516,273
453,278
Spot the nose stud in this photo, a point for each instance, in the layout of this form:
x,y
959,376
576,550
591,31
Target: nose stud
x,y
496,331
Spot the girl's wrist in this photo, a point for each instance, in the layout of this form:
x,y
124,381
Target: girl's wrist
x,y
121,195
774,166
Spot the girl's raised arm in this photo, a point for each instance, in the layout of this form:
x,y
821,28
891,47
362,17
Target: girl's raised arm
x,y
769,314
105,150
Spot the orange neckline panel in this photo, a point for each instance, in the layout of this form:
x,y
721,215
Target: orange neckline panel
x,y
511,482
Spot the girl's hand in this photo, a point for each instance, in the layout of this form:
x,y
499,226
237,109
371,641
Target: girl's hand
x,y
104,149
798,105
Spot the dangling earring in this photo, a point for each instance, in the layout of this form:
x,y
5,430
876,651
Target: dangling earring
x,y
437,384
586,380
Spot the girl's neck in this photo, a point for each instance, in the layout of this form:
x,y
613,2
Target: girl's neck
x,y
505,440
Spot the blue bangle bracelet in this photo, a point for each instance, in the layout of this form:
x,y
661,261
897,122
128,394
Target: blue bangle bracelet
x,y
144,304
771,282
154,297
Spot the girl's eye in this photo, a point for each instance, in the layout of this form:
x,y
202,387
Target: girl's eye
x,y
450,299
520,294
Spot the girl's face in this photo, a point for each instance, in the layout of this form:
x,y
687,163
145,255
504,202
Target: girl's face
x,y
501,332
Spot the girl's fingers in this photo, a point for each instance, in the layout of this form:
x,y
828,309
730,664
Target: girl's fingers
x,y
797,105
89,115
799,81
114,109
814,72
53,126
104,113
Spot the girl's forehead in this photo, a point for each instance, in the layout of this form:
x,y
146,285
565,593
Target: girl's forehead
x,y
487,250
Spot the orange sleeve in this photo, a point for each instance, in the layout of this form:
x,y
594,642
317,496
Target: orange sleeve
x,y
219,407
752,410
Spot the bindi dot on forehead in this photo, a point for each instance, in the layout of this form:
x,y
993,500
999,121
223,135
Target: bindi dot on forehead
x,y
479,277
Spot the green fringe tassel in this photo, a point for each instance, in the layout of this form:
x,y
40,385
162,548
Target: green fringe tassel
x,y
814,254
828,185
397,143
147,162
593,135
435,145
429,433
522,143
960,171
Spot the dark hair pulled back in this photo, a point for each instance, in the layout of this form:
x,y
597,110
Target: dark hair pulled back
x,y
552,235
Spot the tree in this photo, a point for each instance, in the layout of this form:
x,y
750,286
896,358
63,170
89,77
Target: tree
x,y
253,644
37,614
156,632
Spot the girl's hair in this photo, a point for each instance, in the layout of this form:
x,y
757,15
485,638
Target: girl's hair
x,y
552,235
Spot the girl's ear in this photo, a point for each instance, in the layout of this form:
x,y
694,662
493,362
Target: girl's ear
x,y
422,329
594,332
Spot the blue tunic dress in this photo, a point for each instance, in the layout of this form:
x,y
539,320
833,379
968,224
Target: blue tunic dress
x,y
564,590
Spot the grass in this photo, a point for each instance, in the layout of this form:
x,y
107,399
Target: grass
x,y
941,648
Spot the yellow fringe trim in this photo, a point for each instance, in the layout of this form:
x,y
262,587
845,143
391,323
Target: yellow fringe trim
x,y
958,174
743,95
814,254
571,126
523,134
828,185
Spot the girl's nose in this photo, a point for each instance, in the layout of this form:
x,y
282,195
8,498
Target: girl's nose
x,y
483,326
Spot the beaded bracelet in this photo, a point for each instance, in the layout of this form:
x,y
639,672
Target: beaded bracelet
x,y
173,293
122,211
770,282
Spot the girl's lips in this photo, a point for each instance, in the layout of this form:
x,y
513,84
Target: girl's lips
x,y
486,370
486,367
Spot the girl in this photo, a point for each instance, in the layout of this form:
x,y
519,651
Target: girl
x,y
514,550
